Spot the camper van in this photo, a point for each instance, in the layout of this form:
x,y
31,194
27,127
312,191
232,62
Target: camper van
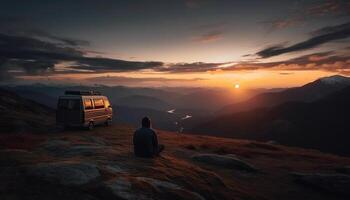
x,y
83,109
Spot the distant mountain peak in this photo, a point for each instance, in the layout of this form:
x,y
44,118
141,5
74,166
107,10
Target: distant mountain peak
x,y
336,79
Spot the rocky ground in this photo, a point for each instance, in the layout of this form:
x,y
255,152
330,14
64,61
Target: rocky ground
x,y
100,164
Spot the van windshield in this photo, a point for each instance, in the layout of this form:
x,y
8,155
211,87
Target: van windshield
x,y
69,104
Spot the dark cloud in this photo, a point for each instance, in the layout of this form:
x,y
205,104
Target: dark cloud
x,y
326,7
286,73
308,12
322,36
277,24
25,49
210,26
209,37
113,65
120,80
190,67
33,56
192,3
329,61
25,28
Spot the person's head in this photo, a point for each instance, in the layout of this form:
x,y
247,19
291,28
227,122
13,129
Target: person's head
x,y
146,122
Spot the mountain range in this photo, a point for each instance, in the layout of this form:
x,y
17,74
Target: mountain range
x,y
316,116
306,93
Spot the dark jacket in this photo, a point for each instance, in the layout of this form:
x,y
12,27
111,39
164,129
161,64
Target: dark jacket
x,y
145,142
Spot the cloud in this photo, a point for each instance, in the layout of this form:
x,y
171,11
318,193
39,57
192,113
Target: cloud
x,y
315,10
210,26
328,61
330,6
192,3
24,28
113,65
31,55
209,37
189,67
121,80
277,24
321,36
286,73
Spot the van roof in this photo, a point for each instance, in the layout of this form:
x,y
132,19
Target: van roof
x,y
81,93
82,96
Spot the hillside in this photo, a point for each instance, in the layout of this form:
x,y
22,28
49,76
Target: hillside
x,y
100,165
322,124
306,93
18,114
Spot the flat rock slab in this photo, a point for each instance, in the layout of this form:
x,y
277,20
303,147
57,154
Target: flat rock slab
x,y
115,168
94,140
121,188
226,161
15,157
165,186
333,183
82,150
63,149
126,188
344,170
64,173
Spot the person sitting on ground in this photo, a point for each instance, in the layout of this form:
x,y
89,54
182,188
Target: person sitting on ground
x,y
145,141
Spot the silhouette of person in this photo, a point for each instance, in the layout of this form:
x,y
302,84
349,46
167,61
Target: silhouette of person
x,y
145,141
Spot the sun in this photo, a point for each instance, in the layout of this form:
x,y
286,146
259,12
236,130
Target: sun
x,y
237,86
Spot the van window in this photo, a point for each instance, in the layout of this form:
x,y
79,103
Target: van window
x,y
99,103
69,104
107,104
88,104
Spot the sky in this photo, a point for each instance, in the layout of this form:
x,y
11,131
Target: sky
x,y
151,43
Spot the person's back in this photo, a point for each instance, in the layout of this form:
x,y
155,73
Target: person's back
x,y
145,141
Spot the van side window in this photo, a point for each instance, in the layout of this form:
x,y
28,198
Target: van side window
x,y
63,104
107,104
88,104
69,104
99,103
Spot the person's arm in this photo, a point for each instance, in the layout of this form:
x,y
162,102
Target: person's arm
x,y
134,138
155,141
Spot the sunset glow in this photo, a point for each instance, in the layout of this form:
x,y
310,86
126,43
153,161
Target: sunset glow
x,y
193,49
175,99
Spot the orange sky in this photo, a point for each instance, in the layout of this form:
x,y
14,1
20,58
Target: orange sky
x,y
246,79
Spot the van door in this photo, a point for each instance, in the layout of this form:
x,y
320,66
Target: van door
x,y
88,111
108,108
99,111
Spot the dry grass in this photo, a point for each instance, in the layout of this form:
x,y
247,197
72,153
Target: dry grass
x,y
176,166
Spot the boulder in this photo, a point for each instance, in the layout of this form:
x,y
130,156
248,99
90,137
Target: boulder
x,y
333,183
226,161
64,173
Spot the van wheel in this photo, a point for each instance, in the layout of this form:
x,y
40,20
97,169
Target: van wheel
x,y
108,122
91,126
